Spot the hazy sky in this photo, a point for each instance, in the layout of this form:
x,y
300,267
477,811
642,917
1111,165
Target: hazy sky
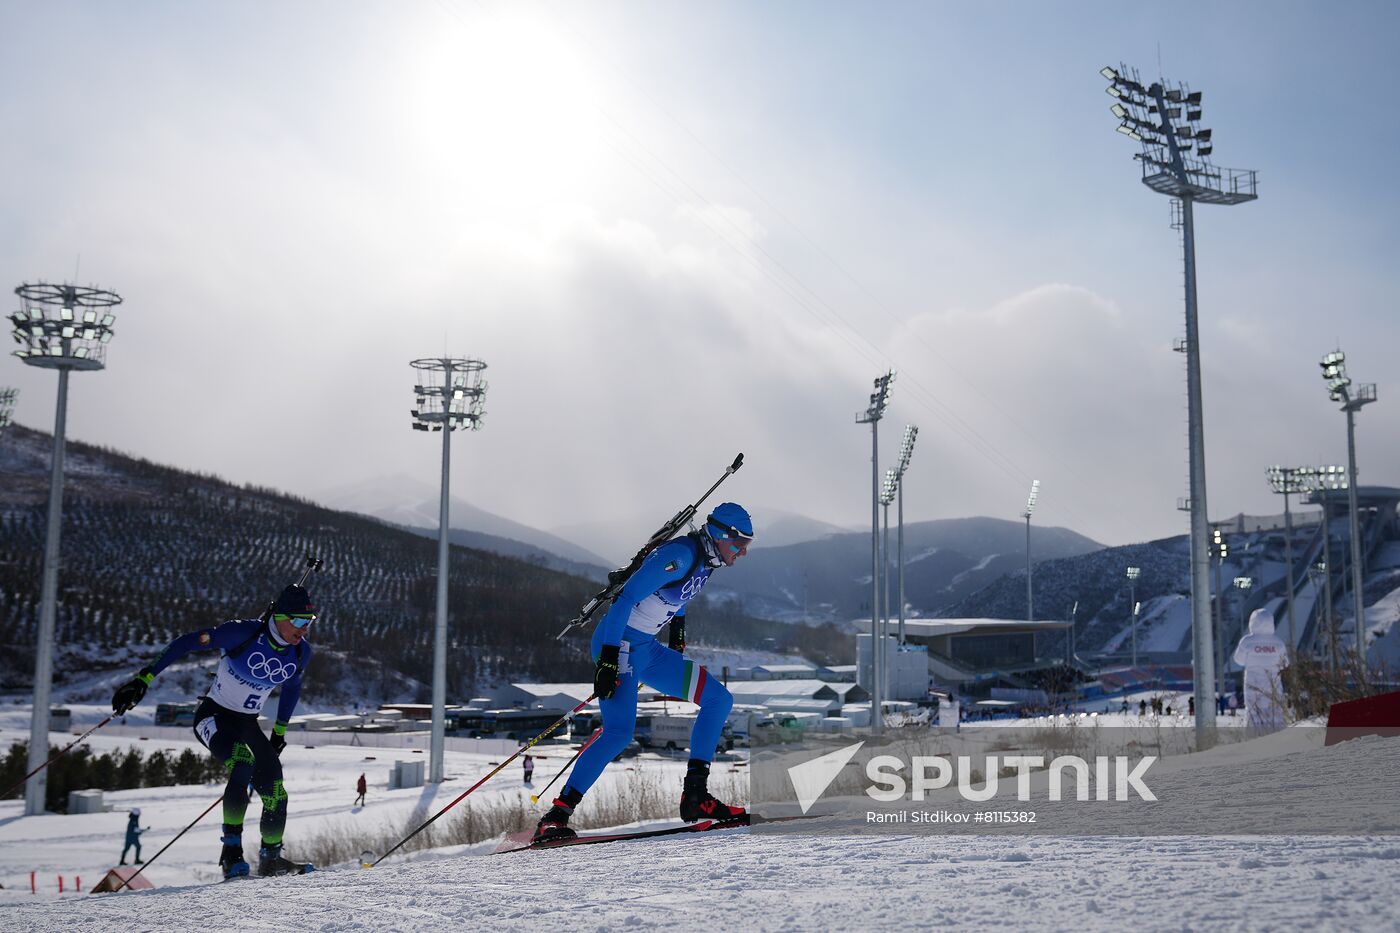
x,y
676,231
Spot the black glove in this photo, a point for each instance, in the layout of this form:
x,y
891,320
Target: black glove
x,y
605,674
278,742
131,692
676,641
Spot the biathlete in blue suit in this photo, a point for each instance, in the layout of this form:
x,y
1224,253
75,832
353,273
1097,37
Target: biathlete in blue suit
x,y
258,657
628,654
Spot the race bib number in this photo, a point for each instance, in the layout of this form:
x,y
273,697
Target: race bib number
x,y
205,729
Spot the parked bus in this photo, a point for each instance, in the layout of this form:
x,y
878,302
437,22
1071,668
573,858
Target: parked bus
x,y
465,723
521,724
582,725
175,714
672,732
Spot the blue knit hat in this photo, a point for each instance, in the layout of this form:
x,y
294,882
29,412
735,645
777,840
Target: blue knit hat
x,y
729,520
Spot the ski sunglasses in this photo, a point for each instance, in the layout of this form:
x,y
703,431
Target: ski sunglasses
x,y
299,620
730,532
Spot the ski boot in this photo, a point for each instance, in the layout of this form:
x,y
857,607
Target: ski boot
x,y
554,825
231,858
697,803
271,862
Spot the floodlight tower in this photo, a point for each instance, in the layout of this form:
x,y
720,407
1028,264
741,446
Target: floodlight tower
x,y
1176,162
451,397
1133,574
8,397
62,327
1220,549
1323,480
879,401
906,451
1334,370
1073,621
887,494
1289,480
1319,574
1242,584
1030,507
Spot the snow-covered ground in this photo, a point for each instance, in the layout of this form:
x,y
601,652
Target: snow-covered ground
x,y
321,786
722,880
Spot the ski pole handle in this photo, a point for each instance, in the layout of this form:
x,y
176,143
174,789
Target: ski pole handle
x,y
15,786
492,773
313,564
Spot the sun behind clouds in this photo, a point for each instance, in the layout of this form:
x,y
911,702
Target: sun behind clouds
x,y
504,112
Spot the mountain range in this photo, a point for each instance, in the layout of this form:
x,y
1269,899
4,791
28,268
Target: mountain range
x,y
945,561
149,552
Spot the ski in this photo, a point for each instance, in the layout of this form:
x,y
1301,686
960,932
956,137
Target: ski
x,y
520,842
302,868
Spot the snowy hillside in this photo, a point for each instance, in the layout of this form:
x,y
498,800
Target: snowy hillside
x,y
1094,589
150,552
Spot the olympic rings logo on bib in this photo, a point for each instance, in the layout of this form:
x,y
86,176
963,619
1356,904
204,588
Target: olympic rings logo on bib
x,y
270,669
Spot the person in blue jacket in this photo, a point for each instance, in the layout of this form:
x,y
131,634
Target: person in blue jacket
x,y
133,835
258,657
627,654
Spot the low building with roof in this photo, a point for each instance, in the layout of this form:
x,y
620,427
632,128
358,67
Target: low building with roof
x,y
837,673
541,696
782,672
962,653
773,693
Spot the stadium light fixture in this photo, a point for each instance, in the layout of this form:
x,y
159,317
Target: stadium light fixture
x,y
887,493
451,396
1243,584
1133,574
1289,481
1334,370
1170,167
1324,481
1220,549
879,401
906,453
1030,507
44,330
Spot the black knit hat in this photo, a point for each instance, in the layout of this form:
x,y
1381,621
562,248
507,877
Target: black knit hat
x,y
294,601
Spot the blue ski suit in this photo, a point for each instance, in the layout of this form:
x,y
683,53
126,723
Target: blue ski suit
x,y
669,578
255,662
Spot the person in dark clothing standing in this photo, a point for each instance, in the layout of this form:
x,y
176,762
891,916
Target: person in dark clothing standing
x,y
133,835
360,788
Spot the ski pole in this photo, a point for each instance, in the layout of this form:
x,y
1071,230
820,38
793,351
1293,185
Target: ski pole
x,y
313,564
494,771
15,786
535,798
138,871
